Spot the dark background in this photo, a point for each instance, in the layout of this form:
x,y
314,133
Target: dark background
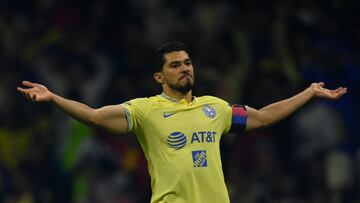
x,y
248,52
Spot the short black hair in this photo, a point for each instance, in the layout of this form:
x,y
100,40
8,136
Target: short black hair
x,y
164,49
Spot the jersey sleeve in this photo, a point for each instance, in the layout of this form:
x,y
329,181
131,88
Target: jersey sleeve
x,y
238,118
136,111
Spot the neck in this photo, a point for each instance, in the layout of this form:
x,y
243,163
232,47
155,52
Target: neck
x,y
178,95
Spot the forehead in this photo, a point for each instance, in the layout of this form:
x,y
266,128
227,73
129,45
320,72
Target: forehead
x,y
176,56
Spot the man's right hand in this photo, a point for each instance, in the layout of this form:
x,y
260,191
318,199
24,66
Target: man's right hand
x,y
35,92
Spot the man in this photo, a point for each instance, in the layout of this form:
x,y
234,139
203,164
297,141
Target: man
x,y
180,133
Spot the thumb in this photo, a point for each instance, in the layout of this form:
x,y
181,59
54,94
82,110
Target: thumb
x,y
322,84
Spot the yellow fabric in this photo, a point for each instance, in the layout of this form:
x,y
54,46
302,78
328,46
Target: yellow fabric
x,y
192,172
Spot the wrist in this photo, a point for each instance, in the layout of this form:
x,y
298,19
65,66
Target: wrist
x,y
52,97
310,91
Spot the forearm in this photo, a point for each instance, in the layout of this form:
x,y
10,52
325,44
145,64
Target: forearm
x,y
280,110
75,109
111,117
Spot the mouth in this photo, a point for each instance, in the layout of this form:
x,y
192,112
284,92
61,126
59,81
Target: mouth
x,y
186,75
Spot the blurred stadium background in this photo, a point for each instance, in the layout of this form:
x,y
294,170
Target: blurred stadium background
x,y
247,52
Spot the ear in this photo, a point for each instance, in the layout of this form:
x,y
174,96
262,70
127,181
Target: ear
x,y
158,76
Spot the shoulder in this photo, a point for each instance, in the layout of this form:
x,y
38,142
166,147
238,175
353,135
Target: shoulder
x,y
213,99
141,101
141,105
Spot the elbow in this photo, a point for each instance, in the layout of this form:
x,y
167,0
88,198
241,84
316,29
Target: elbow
x,y
95,118
266,123
266,120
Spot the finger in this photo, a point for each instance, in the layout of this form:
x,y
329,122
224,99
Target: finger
x,y
322,84
34,98
28,97
21,89
340,89
27,83
25,91
343,92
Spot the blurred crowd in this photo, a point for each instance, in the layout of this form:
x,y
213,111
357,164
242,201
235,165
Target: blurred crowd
x,y
99,52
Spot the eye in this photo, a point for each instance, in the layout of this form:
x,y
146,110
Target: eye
x,y
175,64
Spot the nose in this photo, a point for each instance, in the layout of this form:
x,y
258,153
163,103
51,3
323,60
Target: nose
x,y
185,68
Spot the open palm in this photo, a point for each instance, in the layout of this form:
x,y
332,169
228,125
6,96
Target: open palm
x,y
322,92
35,92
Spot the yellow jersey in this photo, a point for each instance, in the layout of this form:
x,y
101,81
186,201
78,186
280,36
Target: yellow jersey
x,y
181,144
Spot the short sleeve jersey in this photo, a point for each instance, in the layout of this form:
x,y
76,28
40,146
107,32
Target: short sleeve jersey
x,y
181,144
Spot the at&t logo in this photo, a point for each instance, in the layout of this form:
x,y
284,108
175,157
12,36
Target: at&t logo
x,y
176,140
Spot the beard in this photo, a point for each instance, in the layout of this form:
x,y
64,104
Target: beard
x,y
183,89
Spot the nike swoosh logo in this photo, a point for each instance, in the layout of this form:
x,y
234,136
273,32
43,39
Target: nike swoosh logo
x,y
168,114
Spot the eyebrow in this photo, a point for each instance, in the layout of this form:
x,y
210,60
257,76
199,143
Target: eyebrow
x,y
186,60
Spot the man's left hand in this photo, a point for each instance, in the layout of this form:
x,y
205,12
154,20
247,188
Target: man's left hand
x,y
319,91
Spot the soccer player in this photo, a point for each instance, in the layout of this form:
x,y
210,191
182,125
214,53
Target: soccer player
x,y
178,132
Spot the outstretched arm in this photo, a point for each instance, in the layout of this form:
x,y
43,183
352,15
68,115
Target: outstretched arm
x,y
277,111
111,117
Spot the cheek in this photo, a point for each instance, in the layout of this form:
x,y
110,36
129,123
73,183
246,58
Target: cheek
x,y
171,79
171,75
191,70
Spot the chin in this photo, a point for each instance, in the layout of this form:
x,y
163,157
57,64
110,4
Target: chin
x,y
186,88
183,88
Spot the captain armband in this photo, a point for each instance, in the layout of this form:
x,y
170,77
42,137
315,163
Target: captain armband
x,y
239,118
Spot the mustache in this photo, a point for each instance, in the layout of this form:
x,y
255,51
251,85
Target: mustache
x,y
185,75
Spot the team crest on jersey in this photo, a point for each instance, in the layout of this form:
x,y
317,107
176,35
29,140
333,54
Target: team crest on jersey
x,y
176,140
199,158
209,111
